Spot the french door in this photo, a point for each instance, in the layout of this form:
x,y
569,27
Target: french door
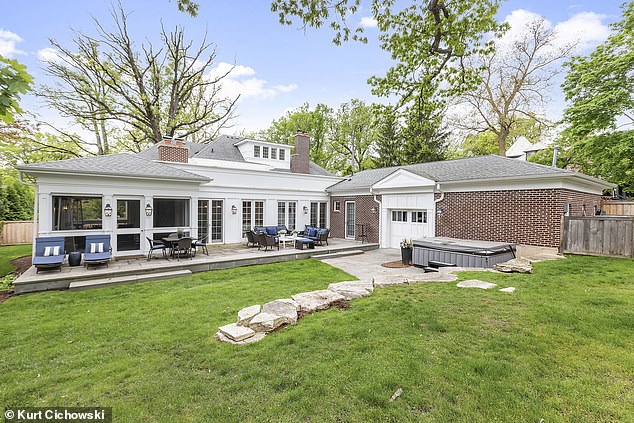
x,y
252,215
287,214
128,232
318,214
350,219
210,220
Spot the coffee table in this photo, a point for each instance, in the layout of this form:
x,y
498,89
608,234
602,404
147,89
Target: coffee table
x,y
284,240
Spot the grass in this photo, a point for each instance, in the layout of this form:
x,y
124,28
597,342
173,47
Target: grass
x,y
560,348
10,252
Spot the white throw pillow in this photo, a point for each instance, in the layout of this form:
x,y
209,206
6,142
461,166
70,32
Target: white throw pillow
x,y
100,247
93,248
48,251
56,250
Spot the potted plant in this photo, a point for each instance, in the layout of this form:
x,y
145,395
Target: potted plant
x,y
180,232
406,251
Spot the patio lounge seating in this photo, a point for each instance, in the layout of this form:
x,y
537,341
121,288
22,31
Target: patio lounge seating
x,y
49,253
98,250
154,246
266,241
183,248
270,230
202,244
251,239
319,235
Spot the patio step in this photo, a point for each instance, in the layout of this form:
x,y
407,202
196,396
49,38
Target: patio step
x,y
337,254
100,283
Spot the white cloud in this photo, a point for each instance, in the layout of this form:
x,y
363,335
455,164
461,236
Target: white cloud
x,y
48,54
368,22
585,29
8,40
237,82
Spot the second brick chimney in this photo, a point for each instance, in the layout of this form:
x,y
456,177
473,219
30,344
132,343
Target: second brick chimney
x,y
301,158
173,150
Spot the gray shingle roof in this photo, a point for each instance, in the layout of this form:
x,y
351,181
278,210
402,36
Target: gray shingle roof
x,y
483,167
122,164
223,148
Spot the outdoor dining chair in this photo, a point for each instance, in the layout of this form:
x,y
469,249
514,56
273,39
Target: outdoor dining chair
x,y
183,248
155,246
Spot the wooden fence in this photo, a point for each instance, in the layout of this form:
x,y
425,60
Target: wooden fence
x,y
599,235
618,208
18,232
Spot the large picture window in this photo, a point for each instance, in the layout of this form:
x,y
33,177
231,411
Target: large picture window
x,y
171,213
76,213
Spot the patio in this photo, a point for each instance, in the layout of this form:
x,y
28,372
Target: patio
x,y
139,269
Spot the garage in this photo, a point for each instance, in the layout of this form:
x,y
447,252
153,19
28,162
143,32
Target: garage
x,y
408,224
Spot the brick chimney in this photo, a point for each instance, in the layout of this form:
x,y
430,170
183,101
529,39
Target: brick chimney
x,y
173,150
300,160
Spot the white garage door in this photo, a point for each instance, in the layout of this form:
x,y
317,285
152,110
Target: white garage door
x,y
408,224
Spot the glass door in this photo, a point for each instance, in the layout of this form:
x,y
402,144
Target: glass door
x,y
350,219
216,221
128,229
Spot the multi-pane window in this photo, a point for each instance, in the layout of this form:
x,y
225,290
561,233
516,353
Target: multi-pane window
x,y
256,151
318,214
216,221
350,219
282,155
203,220
246,217
399,216
274,153
286,211
76,213
259,213
336,206
252,215
419,216
265,152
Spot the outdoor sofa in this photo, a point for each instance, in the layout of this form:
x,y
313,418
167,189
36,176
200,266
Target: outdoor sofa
x,y
49,253
98,250
319,235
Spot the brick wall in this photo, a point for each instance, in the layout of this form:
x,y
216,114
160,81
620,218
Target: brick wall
x,y
178,153
364,205
529,216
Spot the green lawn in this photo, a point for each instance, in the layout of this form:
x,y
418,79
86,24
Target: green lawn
x,y
561,348
10,252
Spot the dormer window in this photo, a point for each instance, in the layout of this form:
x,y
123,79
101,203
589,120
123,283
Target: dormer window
x,y
265,152
256,151
282,155
274,153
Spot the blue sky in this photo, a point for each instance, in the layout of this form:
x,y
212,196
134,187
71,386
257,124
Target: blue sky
x,y
279,67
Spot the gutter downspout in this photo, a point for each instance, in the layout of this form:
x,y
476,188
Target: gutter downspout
x,y
36,209
436,201
380,212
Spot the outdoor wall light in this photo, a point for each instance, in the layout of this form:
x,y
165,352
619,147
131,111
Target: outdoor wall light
x,y
148,210
305,209
234,209
107,211
373,210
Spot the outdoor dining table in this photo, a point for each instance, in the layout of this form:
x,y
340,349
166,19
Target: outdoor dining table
x,y
171,241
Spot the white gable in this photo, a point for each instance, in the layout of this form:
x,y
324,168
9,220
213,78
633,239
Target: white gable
x,y
402,179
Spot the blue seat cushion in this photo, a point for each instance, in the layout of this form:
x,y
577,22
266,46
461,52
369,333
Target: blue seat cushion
x,y
259,229
271,230
304,240
97,256
47,261
312,232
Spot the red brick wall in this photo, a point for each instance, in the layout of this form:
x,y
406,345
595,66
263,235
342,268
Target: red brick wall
x,y
529,216
364,205
173,153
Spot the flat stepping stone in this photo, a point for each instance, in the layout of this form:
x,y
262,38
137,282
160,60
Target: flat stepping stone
x,y
381,281
255,338
235,332
267,322
290,301
516,265
283,309
246,314
317,300
509,289
474,283
353,289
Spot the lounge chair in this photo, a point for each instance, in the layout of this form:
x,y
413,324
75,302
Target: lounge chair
x,y
251,239
49,253
155,246
266,241
98,250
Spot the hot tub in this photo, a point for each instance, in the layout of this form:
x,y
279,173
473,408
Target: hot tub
x,y
461,252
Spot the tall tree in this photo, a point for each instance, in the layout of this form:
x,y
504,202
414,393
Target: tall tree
x,y
389,145
600,89
14,80
315,122
424,139
514,82
150,91
353,136
428,39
